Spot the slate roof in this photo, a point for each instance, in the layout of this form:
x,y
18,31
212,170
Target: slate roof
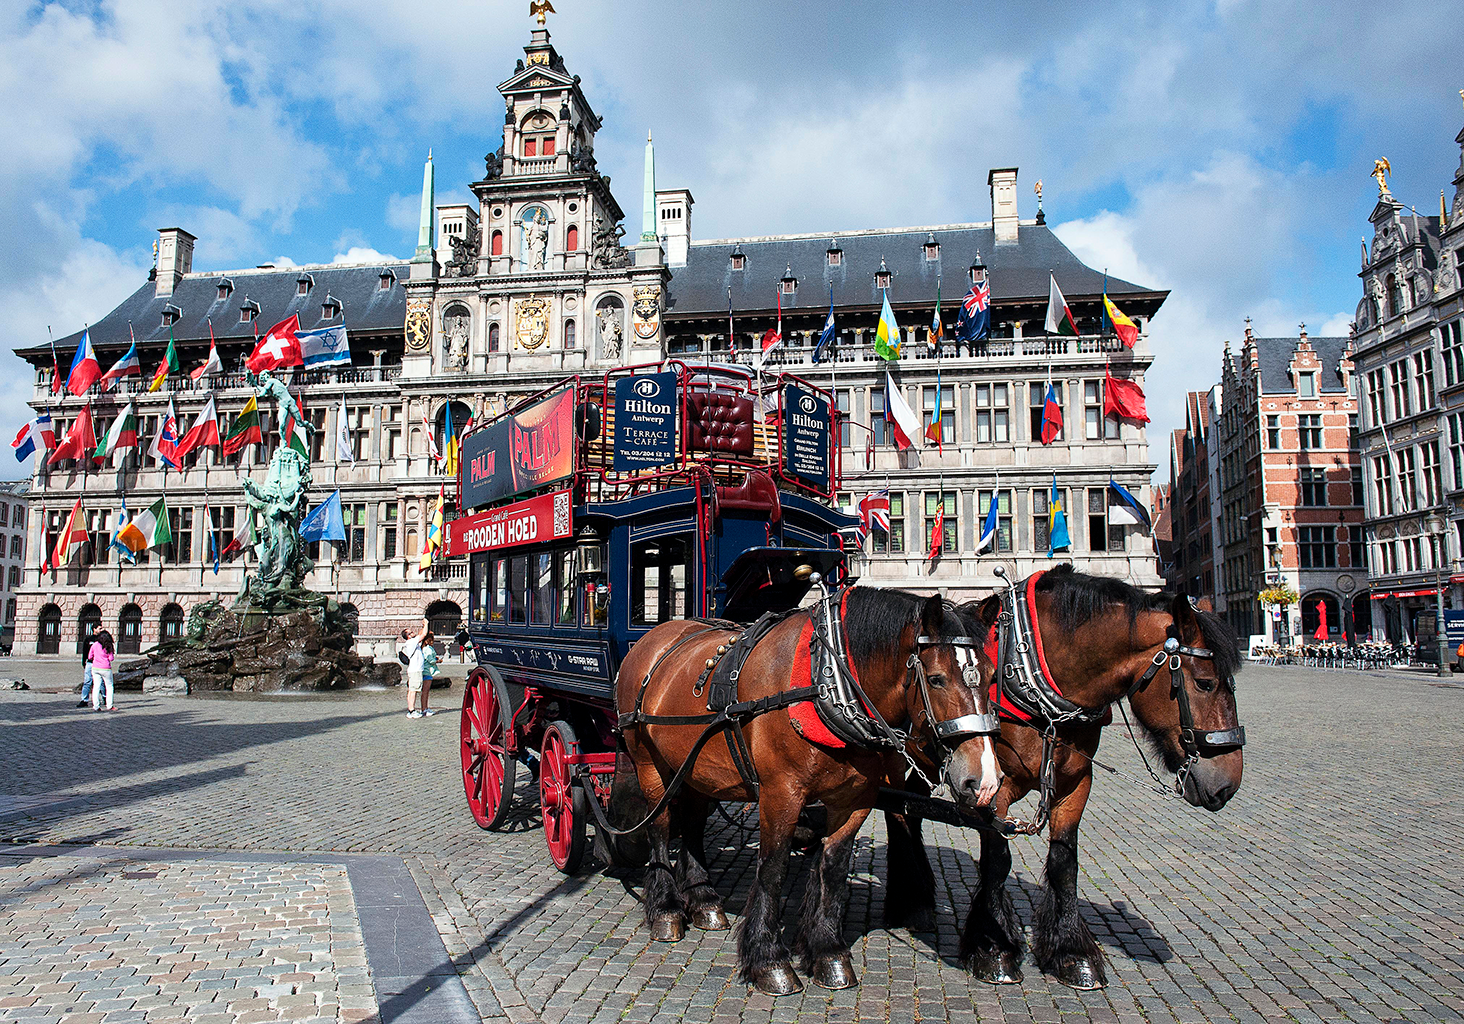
x,y
1016,271
365,307
1274,356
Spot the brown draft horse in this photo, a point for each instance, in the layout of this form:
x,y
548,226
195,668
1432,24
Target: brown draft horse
x,y
885,630
1101,635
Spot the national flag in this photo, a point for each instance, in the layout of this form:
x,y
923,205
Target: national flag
x,y
988,529
1123,507
80,440
84,366
826,336
167,366
937,533
204,433
245,429
328,346
901,416
279,347
432,451
450,439
973,325
874,510
294,435
213,364
165,443
1051,415
344,450
887,334
433,540
128,366
774,337
1123,398
937,329
243,538
38,429
123,434
325,521
56,384
1125,328
148,529
73,534
1059,317
935,432
121,522
213,543
1057,531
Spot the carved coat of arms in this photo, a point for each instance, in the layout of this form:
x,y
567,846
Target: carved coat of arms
x,y
419,324
646,311
531,322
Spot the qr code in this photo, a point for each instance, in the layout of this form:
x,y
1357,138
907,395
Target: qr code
x,y
561,514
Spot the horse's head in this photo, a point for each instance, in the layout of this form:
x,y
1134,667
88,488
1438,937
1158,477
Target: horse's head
x,y
947,695
1203,690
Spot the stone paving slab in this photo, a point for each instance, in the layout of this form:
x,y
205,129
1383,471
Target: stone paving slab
x,y
1329,889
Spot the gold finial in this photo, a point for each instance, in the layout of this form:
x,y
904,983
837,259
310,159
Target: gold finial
x,y
1381,170
1038,189
155,252
539,8
1461,94
648,136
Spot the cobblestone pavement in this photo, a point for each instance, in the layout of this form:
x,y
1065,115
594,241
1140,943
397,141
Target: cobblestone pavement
x,y
1329,888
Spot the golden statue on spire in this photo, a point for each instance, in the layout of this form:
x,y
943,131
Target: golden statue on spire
x,y
1381,170
540,8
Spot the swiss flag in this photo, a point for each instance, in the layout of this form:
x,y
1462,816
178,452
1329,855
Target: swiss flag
x,y
280,347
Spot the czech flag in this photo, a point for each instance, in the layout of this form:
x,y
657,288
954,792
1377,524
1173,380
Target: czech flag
x,y
84,366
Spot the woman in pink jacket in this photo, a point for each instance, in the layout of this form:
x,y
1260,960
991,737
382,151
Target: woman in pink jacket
x,y
100,657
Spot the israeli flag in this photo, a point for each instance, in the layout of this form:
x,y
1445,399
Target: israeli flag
x,y
1123,507
328,346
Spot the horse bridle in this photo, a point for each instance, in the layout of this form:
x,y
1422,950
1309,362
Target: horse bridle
x,y
949,733
1196,744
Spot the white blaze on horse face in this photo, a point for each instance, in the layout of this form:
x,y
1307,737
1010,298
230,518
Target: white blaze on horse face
x,y
990,771
970,670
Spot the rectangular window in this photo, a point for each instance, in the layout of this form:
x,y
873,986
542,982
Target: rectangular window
x,y
1356,548
993,415
531,147
1309,429
389,529
514,598
317,443
1383,484
1306,385
660,579
1003,540
1402,396
1376,400
1041,535
947,411
1098,519
1095,424
1038,392
1456,448
883,430
894,541
391,433
1273,433
1453,338
1423,379
99,537
564,585
1387,557
180,520
221,526
841,402
353,548
1407,480
1317,551
479,591
1357,485
1313,486
933,502
542,600
1433,491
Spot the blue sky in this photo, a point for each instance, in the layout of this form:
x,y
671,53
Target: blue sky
x,y
1221,151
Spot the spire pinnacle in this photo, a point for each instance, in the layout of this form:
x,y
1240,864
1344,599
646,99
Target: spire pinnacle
x,y
426,237
648,207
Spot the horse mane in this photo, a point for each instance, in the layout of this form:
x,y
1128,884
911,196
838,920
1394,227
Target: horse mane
x,y
875,617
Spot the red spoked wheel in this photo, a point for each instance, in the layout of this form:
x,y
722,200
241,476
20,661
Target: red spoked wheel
x,y
488,768
564,802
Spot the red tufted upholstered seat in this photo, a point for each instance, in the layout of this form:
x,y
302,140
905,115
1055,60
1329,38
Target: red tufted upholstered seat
x,y
719,422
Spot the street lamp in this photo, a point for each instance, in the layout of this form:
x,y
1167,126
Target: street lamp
x,y
1435,526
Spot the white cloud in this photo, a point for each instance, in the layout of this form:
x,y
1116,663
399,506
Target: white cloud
x,y
404,212
361,254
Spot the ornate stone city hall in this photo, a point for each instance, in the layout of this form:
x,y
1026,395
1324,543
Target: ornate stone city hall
x,y
540,279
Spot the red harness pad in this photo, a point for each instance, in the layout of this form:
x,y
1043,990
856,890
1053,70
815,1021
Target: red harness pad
x,y
803,714
998,695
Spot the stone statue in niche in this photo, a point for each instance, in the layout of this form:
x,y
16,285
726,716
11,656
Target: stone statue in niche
x,y
536,239
464,260
607,252
611,330
455,326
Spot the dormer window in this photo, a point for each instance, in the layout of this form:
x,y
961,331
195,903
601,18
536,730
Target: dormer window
x,y
387,279
882,279
932,248
1307,385
225,288
330,308
739,260
248,312
303,284
171,314
835,255
789,284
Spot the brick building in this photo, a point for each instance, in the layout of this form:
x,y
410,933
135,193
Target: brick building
x,y
1192,570
14,506
1289,506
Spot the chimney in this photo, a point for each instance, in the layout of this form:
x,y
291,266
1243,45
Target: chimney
x,y
673,210
175,258
1003,182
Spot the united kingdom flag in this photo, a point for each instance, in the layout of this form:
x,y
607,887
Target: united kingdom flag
x,y
974,323
874,513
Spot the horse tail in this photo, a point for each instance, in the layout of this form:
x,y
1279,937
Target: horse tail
x,y
628,805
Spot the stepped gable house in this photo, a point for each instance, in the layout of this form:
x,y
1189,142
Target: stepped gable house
x,y
539,278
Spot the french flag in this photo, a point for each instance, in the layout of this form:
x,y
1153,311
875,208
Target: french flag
x,y
84,366
39,429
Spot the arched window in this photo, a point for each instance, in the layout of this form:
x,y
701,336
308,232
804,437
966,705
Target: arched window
x,y
443,618
497,243
569,334
571,239
88,621
1311,618
460,416
492,337
48,636
129,630
170,623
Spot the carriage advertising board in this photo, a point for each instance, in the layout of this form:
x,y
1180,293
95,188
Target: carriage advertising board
x,y
536,520
645,421
532,448
806,437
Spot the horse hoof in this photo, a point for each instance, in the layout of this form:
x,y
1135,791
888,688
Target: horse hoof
x,y
709,919
779,980
834,972
668,927
1080,974
996,967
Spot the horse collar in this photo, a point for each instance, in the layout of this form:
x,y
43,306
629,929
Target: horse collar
x,y
1025,678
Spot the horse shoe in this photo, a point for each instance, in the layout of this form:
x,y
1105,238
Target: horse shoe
x,y
778,980
709,919
668,928
834,972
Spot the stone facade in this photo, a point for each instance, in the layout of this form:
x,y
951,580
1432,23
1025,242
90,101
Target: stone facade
x,y
14,506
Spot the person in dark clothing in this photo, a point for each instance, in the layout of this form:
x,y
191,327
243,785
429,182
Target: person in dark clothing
x,y
464,642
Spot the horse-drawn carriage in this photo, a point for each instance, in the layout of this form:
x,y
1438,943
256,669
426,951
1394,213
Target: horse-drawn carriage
x,y
594,511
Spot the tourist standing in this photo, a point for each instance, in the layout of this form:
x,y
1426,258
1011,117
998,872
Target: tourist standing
x,y
410,654
100,657
86,668
463,641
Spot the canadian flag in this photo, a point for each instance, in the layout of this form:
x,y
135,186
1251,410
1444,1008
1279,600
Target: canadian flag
x,y
280,347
